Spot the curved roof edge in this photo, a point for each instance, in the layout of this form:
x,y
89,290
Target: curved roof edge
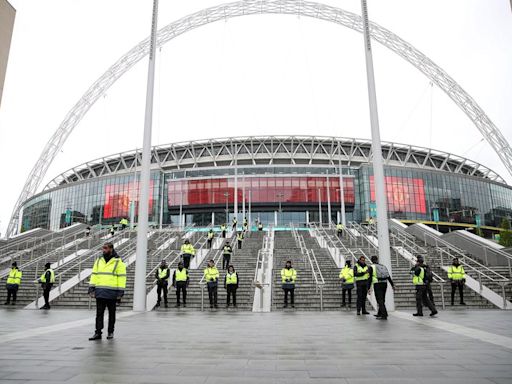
x,y
273,150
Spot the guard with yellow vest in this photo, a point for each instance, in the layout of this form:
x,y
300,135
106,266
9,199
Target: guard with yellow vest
x,y
123,223
13,283
288,278
211,235
240,239
420,281
107,285
347,283
339,230
223,230
231,282
211,276
226,255
180,281
187,252
363,283
457,277
47,280
162,275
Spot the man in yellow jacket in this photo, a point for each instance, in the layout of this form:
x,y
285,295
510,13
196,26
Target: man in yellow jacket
x,y
211,276
13,283
347,283
457,277
288,278
107,285
187,252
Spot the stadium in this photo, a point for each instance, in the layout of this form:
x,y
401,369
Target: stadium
x,y
278,180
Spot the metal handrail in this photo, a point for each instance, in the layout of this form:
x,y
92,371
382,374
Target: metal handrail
x,y
317,275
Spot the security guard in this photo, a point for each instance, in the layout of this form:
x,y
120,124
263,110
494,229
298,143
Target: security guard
x,y
231,282
47,280
339,230
418,279
107,285
112,230
226,255
13,283
223,230
363,282
180,281
288,278
240,239
245,226
260,226
187,251
235,223
347,283
457,277
211,276
123,223
211,235
162,275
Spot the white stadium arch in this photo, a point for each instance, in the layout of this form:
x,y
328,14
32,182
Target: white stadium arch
x,y
254,7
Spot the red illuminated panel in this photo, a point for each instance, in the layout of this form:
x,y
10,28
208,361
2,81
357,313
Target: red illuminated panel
x,y
118,197
262,190
403,194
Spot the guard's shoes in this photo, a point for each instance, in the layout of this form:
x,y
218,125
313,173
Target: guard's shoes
x,y
166,305
293,305
463,303
13,303
366,313
433,313
157,305
110,336
96,336
343,305
382,318
418,314
185,305
216,306
45,307
211,306
7,303
358,313
285,306
377,316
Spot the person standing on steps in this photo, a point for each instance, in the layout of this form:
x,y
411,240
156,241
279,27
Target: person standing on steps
x,y
245,225
429,278
231,282
223,230
380,278
235,223
457,277
187,252
47,280
13,283
288,278
107,285
363,282
260,226
339,230
162,275
240,239
112,230
419,281
226,255
180,281
211,235
347,283
211,276
87,231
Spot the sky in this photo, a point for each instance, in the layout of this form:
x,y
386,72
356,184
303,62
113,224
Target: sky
x,y
254,75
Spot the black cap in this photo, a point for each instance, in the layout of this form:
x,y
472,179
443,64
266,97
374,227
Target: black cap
x,y
47,265
420,259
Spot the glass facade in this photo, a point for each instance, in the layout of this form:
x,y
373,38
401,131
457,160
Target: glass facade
x,y
276,195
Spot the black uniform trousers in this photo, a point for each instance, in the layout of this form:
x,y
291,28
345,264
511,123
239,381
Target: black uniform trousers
x,y
101,305
380,295
362,292
344,291
459,284
291,292
181,288
212,293
231,291
12,292
46,294
162,287
226,258
210,243
186,260
422,298
239,244
430,294
224,234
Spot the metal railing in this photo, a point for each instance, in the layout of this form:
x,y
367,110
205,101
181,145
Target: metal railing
x,y
317,275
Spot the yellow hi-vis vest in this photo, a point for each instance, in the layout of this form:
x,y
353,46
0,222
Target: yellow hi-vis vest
x,y
211,273
240,236
14,277
231,278
347,273
162,273
456,273
223,227
418,280
339,227
210,235
288,274
188,248
362,270
111,275
52,276
227,250
181,275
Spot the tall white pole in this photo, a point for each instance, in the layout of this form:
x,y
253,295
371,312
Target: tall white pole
x,y
162,179
328,201
235,201
139,294
378,164
250,216
319,207
342,194
243,197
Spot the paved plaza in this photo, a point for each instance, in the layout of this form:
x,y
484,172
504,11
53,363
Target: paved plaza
x,y
465,347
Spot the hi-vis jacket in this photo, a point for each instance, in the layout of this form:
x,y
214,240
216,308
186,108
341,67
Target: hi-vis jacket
x,y
108,279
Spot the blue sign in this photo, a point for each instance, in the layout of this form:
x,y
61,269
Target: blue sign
x,y
478,220
373,209
68,216
435,212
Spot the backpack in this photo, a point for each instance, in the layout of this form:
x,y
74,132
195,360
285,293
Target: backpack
x,y
382,272
429,276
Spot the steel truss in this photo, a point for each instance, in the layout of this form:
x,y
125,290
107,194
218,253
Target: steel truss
x,y
254,7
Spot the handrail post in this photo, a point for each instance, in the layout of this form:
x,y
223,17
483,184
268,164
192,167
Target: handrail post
x,y
442,294
202,298
504,295
480,279
321,299
485,256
